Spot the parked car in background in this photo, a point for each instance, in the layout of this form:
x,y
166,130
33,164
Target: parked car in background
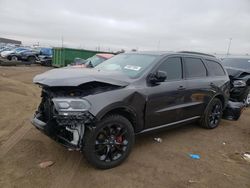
x,y
238,69
6,53
92,61
45,56
28,55
6,48
99,110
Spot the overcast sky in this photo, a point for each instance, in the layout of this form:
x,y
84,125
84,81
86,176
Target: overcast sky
x,y
200,25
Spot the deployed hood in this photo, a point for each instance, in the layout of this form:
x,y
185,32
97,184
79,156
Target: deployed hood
x,y
236,72
77,76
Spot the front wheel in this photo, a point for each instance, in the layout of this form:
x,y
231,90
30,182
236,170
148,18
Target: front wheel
x,y
14,58
110,143
212,115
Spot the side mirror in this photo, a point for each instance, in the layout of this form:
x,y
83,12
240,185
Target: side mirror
x,y
159,76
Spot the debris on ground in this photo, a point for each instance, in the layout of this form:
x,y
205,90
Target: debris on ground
x,y
159,140
194,156
224,143
46,164
246,156
193,181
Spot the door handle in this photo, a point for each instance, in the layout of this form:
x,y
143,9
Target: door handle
x,y
181,88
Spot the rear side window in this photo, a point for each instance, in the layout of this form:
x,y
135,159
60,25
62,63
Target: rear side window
x,y
172,66
194,68
214,68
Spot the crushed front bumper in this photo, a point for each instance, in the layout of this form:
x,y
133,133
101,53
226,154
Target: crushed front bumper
x,y
61,128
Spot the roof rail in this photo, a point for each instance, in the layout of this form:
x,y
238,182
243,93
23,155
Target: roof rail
x,y
197,53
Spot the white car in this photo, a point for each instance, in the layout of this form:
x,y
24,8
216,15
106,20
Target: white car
x,y
8,52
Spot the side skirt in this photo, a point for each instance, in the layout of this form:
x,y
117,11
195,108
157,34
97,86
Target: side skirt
x,y
170,124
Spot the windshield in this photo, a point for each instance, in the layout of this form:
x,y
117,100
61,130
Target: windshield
x,y
241,63
95,60
46,51
132,65
20,49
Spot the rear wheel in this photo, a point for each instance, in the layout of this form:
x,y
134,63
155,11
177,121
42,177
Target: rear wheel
x,y
110,143
31,59
212,115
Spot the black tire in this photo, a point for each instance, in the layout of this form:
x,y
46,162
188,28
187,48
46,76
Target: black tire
x,y
102,148
14,58
212,115
31,60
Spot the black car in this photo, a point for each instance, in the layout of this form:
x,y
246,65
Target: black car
x,y
29,55
99,111
238,69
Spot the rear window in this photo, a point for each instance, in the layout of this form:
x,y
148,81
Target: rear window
x,y
194,68
214,68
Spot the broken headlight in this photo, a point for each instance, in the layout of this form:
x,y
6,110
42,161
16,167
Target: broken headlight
x,y
239,83
71,104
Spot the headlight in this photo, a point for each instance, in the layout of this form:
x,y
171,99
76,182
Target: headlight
x,y
239,83
71,104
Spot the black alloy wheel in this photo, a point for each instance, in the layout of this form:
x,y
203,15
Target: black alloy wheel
x,y
109,144
215,115
212,115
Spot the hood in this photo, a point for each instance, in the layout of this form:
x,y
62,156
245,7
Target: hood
x,y
77,76
236,72
6,53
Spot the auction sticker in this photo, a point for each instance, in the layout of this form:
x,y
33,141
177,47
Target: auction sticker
x,y
132,67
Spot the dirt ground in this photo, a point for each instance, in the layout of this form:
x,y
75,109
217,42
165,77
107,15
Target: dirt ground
x,y
151,164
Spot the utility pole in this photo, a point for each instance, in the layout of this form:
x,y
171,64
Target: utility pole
x,y
62,41
229,45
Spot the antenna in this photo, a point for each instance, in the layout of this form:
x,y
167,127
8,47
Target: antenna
x,y
229,45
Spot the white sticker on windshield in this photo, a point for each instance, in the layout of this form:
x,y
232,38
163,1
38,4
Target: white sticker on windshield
x,y
132,67
248,61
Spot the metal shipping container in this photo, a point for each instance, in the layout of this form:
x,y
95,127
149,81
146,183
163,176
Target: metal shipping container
x,y
64,56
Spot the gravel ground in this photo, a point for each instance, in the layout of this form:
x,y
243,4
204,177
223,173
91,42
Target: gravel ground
x,y
151,164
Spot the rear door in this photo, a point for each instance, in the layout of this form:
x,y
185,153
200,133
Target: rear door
x,y
164,104
198,91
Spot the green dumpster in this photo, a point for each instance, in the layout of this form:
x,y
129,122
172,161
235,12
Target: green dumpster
x,y
64,56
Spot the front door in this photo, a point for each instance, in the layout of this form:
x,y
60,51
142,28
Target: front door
x,y
164,103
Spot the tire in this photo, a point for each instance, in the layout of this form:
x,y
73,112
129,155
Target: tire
x,y
31,60
213,113
110,143
14,58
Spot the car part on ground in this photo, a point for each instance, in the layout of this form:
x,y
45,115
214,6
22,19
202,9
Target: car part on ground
x,y
240,85
99,110
233,110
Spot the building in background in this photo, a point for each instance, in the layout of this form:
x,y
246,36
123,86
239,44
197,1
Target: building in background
x,y
4,41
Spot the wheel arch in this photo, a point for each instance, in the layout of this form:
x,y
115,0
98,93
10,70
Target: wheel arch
x,y
221,98
124,111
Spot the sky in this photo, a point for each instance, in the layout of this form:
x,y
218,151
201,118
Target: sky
x,y
194,25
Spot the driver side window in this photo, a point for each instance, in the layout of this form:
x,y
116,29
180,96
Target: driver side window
x,y
172,66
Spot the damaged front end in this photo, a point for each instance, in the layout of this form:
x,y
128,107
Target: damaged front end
x,y
63,118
